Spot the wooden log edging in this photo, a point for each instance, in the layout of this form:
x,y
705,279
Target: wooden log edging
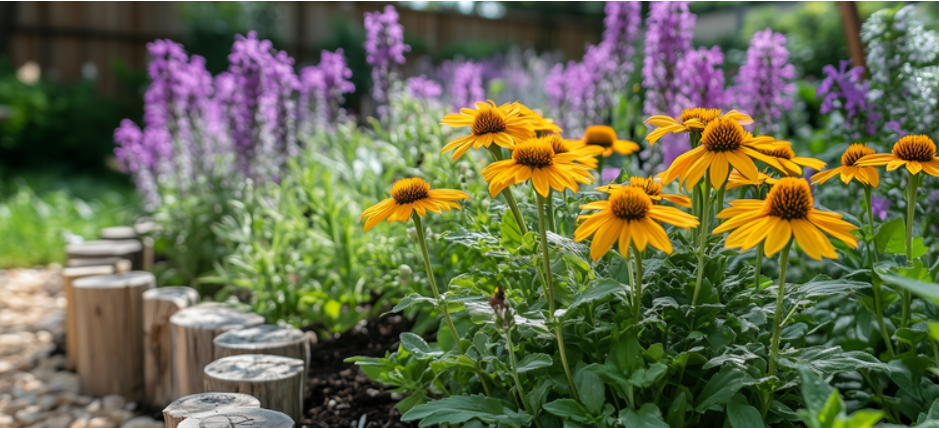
x,y
276,381
120,265
192,331
123,248
240,418
109,333
267,339
143,260
69,275
159,304
196,404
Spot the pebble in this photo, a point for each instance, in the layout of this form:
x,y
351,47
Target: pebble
x,y
112,402
372,392
142,422
101,422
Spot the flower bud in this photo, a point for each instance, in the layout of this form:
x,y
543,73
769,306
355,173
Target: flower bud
x,y
412,232
486,204
404,274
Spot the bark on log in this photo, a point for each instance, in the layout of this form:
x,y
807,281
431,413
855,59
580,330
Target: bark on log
x,y
192,331
69,275
159,304
196,404
240,418
109,320
265,339
124,248
276,381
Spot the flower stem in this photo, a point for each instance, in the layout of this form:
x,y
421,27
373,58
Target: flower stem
x,y
496,153
635,282
875,280
418,224
719,203
549,291
778,314
702,235
518,382
550,208
759,267
910,213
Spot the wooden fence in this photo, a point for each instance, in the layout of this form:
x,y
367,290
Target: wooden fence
x,y
67,38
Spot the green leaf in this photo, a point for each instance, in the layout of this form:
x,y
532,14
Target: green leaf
x,y
863,419
458,409
643,378
886,232
828,287
676,411
591,390
568,408
815,393
511,233
534,362
722,387
926,290
743,415
417,346
833,408
829,361
648,416
600,291
411,300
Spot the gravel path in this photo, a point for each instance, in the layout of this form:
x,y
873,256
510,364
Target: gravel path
x,y
35,388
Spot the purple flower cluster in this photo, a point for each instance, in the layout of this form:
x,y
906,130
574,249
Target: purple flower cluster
x,y
702,78
321,91
880,207
843,90
384,48
668,37
621,28
423,88
467,85
764,84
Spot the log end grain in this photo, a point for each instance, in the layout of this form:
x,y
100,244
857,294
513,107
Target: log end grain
x,y
241,418
212,316
121,280
259,337
103,248
254,368
195,404
181,296
118,232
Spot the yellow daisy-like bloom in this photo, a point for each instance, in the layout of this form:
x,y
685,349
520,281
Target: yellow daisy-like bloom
x,y
723,143
848,170
629,216
790,162
503,125
586,155
535,159
605,137
541,124
652,187
691,120
736,179
787,212
409,195
917,152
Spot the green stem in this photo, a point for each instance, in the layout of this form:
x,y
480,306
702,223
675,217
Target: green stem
x,y
418,224
777,315
702,236
549,291
696,210
719,203
875,280
550,206
636,282
496,153
518,382
910,213
759,266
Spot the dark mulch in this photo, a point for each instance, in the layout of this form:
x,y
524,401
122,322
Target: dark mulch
x,y
340,394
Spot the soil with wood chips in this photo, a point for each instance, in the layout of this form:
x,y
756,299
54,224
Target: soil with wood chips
x,y
340,395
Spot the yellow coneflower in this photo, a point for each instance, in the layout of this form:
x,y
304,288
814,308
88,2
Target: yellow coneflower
x,y
917,152
542,124
629,216
787,212
724,142
690,120
652,187
849,170
409,195
535,159
503,125
586,155
605,137
791,163
736,179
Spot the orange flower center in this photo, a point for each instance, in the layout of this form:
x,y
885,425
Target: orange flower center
x,y
630,203
723,135
705,115
534,153
790,199
855,152
648,185
600,135
915,148
409,190
782,152
557,143
489,121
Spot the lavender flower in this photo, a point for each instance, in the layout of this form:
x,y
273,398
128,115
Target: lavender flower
x,y
668,37
384,48
845,95
467,86
321,91
764,84
609,174
621,28
421,87
702,78
880,207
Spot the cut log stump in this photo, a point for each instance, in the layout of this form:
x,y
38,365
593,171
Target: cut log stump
x,y
265,339
240,418
145,257
191,333
120,265
276,381
69,275
109,333
124,248
198,404
159,304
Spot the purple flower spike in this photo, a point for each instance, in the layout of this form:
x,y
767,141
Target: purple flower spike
x,y
384,48
467,86
764,85
880,207
423,88
668,37
843,91
621,30
702,78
